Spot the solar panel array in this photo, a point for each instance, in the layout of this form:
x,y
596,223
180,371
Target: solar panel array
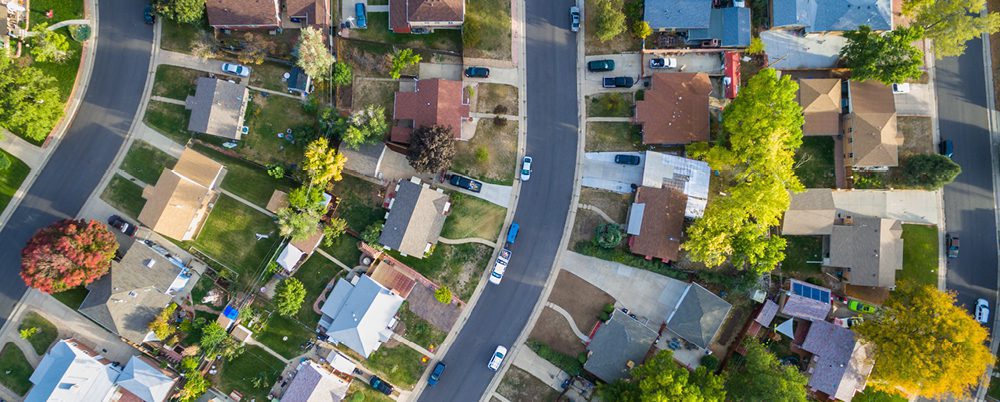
x,y
805,290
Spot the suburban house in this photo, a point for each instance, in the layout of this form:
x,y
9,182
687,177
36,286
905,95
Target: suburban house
x,y
805,301
698,315
313,382
134,291
299,82
656,223
217,108
699,21
620,344
688,176
675,110
820,99
72,371
840,363
182,198
415,218
432,102
377,161
360,314
871,141
243,14
423,16
818,16
303,13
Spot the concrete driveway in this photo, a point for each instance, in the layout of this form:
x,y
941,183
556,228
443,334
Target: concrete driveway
x,y
705,62
494,193
646,294
788,51
918,102
912,206
626,64
443,71
601,171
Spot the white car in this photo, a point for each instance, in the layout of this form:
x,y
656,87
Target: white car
x,y
901,88
497,358
236,69
526,168
982,311
663,62
500,266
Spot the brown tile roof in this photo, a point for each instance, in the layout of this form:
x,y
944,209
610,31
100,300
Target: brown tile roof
x,y
177,205
397,16
675,109
242,13
315,12
820,100
393,277
402,13
309,244
279,200
435,102
870,128
662,223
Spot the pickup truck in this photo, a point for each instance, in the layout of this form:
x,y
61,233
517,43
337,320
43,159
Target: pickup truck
x,y
618,82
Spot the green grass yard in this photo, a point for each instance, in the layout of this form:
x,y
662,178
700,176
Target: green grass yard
x,y
418,330
473,217
270,75
168,119
175,82
361,392
268,116
378,31
72,298
279,327
456,266
920,255
489,23
124,195
360,202
345,249
179,37
11,179
239,373
399,364
16,369
613,136
315,274
245,179
229,237
146,163
816,169
46,335
616,104
799,250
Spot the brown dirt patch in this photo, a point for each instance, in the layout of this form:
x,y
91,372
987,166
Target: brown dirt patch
x,y
519,385
917,135
868,294
498,143
731,329
553,330
492,95
374,92
613,204
584,225
580,299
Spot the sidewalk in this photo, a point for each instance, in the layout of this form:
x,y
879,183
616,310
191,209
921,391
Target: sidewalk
x,y
27,152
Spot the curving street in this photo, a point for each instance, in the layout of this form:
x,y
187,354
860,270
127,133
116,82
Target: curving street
x,y
91,142
503,311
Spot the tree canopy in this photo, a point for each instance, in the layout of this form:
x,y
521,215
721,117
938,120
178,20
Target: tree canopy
x,y
289,296
761,377
928,171
365,126
314,58
610,20
161,324
67,254
764,127
322,163
661,379
925,344
30,104
951,23
431,149
342,74
401,60
888,57
49,45
182,11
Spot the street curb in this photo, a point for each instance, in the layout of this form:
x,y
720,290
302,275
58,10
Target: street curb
x,y
991,115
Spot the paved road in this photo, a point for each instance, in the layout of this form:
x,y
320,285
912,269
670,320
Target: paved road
x,y
969,201
90,143
502,311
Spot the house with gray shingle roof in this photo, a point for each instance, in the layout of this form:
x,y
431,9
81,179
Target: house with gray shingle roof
x,y
678,14
313,382
841,363
831,15
870,248
698,315
144,379
620,343
217,108
359,314
415,218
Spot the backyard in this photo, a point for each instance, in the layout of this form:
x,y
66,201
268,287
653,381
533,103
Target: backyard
x,y
124,195
11,179
473,217
613,136
360,202
345,249
456,266
491,96
315,274
378,31
397,363
46,335
487,23
491,154
814,163
254,364
623,42
246,180
798,252
920,255
16,371
145,162
286,335
175,82
270,75
374,92
168,119
614,104
267,117
229,237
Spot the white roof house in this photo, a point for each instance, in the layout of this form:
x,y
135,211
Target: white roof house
x,y
687,175
360,314
142,379
69,373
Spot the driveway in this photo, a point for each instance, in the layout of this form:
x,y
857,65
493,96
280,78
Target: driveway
x,y
626,64
444,71
911,206
494,193
918,102
706,62
600,171
788,51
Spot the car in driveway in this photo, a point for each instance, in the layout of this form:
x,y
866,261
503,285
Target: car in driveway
x,y
497,359
574,19
663,62
477,72
380,385
901,88
982,311
122,225
618,82
436,374
600,66
361,19
623,159
148,15
466,183
526,168
860,307
951,244
236,69
946,148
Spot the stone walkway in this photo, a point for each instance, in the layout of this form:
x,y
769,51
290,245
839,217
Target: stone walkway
x,y
467,240
413,346
21,149
332,258
597,211
569,319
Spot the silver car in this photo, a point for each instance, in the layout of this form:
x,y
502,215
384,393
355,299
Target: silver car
x,y
497,358
236,69
574,19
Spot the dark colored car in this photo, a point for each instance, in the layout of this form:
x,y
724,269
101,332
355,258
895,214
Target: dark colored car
x,y
148,15
359,13
122,225
622,159
436,374
466,183
951,242
477,72
379,385
946,148
598,66
618,82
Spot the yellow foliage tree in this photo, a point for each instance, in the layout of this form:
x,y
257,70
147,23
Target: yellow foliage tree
x,y
322,163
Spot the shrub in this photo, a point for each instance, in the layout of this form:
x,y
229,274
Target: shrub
x,y
276,171
928,172
710,362
756,46
443,295
499,121
569,364
500,109
371,234
27,333
79,33
482,155
609,235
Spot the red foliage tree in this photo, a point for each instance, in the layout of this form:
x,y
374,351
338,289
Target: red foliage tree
x,y
67,254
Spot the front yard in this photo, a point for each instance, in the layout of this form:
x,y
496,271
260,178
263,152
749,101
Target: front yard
x,y
487,26
46,335
398,364
814,163
519,385
613,136
615,104
124,195
16,370
11,178
456,266
418,330
490,97
491,154
473,217
179,37
920,255
240,373
168,119
145,162
175,82
72,298
378,31
229,237
623,42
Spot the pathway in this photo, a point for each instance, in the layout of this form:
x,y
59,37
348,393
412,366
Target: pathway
x,y
157,140
535,365
273,92
252,341
248,203
57,25
467,240
22,149
413,346
569,319
332,258
494,115
609,120
167,100
597,211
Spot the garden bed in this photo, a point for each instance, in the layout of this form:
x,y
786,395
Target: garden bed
x,y
491,154
473,217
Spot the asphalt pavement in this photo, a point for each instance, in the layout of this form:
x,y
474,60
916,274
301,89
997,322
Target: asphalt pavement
x,y
503,311
969,201
91,142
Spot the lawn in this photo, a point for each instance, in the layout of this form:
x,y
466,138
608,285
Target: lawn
x,y
399,364
614,136
65,72
345,249
47,332
360,391
229,237
246,180
124,195
180,37
869,395
473,217
378,31
270,75
72,298
373,92
815,162
418,330
623,42
360,202
175,82
616,104
493,96
315,274
623,256
489,23
801,249
456,266
254,363
11,179
920,255
279,327
491,154
169,119
269,115
146,163
16,371
569,364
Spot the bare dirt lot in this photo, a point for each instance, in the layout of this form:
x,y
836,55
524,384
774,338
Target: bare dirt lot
x,y
519,385
614,204
553,330
374,92
917,135
582,300
583,226
490,96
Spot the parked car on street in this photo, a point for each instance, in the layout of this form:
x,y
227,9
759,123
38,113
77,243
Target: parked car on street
x,y
236,69
477,72
122,225
623,159
379,385
663,62
361,20
860,307
526,168
618,82
982,311
497,358
148,15
466,183
951,242
598,66
500,266
574,19
946,148
436,374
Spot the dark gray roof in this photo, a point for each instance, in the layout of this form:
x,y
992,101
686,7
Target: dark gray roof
x,y
217,108
731,26
365,160
767,313
841,364
415,219
698,316
298,80
678,14
620,340
871,247
832,15
126,299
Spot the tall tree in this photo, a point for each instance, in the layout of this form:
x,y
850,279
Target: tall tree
x,y
401,60
161,324
367,126
195,385
67,254
661,379
29,100
322,163
289,296
925,344
314,58
182,11
212,336
431,149
610,20
764,127
301,218
342,74
761,377
929,171
49,45
888,57
951,23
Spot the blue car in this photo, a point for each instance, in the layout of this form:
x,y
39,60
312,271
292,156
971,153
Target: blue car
x,y
359,12
436,374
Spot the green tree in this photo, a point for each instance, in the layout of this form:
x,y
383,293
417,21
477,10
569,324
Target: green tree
x,y
182,11
30,104
322,163
194,387
333,229
661,379
212,336
289,296
161,324
401,60
432,149
443,295
342,74
925,344
49,45
610,20
276,171
951,23
928,171
756,46
27,333
761,377
331,124
609,235
366,126
641,29
189,364
888,57
371,235
298,224
314,58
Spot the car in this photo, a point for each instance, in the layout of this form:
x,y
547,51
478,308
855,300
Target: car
x,y
663,62
380,385
526,168
122,225
599,66
902,88
361,20
236,69
858,306
618,82
500,266
466,183
148,15
623,159
477,72
982,311
497,358
574,19
436,374
951,242
946,148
